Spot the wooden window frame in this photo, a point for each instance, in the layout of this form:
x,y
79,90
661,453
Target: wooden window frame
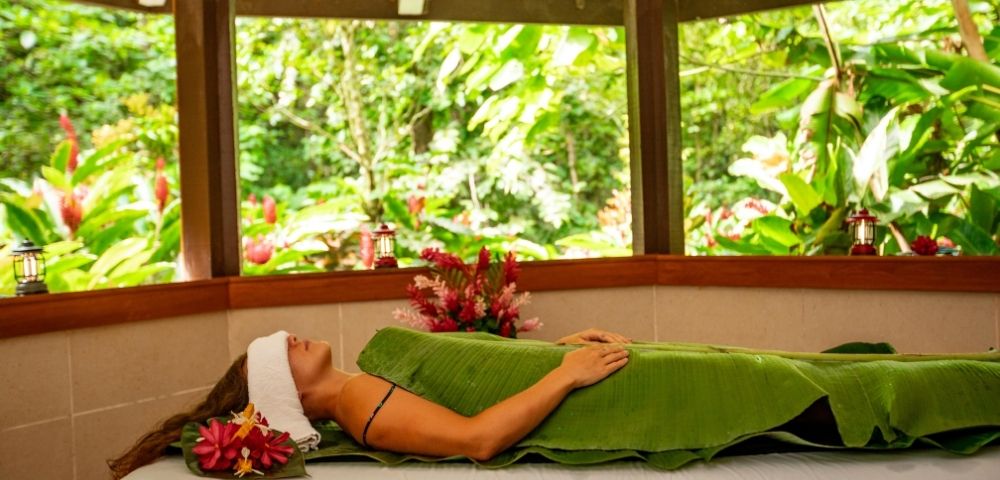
x,y
209,180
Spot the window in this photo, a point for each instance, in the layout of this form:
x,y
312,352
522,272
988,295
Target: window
x,y
795,119
458,135
88,137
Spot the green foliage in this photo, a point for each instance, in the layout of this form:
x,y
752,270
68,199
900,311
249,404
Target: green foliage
x,y
902,127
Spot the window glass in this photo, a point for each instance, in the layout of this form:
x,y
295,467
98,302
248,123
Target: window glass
x,y
88,144
457,135
794,120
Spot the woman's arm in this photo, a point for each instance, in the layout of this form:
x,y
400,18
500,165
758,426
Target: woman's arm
x,y
408,423
593,335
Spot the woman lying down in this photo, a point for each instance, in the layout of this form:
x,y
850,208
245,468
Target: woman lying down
x,y
480,396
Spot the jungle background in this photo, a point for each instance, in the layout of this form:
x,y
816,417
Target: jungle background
x,y
513,137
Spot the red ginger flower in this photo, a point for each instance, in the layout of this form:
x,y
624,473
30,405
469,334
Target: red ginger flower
x,y
444,261
259,250
162,190
510,269
217,448
923,245
74,152
270,210
71,210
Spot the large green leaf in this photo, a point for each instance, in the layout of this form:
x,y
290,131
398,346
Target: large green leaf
x,y
23,221
777,229
879,401
966,72
783,95
803,195
982,209
61,156
115,255
871,166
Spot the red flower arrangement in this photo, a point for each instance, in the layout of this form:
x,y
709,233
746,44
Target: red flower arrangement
x,y
469,298
924,245
244,444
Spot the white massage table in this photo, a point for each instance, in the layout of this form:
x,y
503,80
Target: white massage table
x,y
924,464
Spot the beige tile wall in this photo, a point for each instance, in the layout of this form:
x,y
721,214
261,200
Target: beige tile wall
x,y
71,400
89,393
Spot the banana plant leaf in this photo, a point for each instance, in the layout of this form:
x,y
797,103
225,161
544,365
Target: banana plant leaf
x,y
677,403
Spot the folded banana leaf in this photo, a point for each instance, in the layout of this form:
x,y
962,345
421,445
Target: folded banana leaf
x,y
676,403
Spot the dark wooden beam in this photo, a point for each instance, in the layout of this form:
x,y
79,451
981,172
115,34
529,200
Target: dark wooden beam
x,y
654,126
207,120
131,5
572,12
693,10
594,12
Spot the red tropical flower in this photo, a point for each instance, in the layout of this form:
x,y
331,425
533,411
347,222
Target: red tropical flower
x,y
74,152
510,269
162,190
218,447
259,250
924,245
266,449
270,210
71,210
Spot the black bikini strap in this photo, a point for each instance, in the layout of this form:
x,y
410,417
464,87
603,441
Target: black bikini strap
x,y
364,435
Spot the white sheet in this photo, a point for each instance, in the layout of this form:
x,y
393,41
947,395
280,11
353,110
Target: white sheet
x,y
908,465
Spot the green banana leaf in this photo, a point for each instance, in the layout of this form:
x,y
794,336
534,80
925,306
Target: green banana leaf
x,y
676,403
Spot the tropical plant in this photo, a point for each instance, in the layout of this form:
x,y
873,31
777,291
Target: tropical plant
x,y
897,126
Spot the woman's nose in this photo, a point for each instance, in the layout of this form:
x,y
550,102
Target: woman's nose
x,y
292,339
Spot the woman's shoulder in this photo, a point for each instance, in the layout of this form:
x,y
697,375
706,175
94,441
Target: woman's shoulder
x,y
357,397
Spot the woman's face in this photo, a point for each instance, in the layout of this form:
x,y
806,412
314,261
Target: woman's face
x,y
309,360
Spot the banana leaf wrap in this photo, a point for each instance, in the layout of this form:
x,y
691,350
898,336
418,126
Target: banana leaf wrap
x,y
674,403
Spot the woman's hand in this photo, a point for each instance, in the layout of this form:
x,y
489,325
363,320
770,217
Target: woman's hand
x,y
593,335
591,364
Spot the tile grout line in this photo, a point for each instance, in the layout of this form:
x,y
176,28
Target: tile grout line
x,y
72,406
35,423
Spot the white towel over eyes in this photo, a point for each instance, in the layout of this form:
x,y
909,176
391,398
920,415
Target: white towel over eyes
x,y
272,389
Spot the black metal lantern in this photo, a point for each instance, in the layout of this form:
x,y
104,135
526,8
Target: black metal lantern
x,y
863,233
29,269
385,247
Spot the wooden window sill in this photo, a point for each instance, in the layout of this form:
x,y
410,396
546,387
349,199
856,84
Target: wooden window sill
x,y
48,313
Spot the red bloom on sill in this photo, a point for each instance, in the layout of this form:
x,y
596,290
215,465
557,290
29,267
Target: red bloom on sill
x,y
218,446
270,210
259,250
923,245
74,152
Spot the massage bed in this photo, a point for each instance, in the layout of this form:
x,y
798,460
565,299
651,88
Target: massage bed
x,y
920,464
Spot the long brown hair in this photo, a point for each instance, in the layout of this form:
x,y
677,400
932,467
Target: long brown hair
x,y
228,395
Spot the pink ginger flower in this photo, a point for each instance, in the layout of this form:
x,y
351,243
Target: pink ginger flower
x,y
367,247
74,152
484,261
259,250
530,325
468,313
505,329
217,448
270,210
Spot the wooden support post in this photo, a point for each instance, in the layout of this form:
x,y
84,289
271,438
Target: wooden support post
x,y
208,150
654,126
